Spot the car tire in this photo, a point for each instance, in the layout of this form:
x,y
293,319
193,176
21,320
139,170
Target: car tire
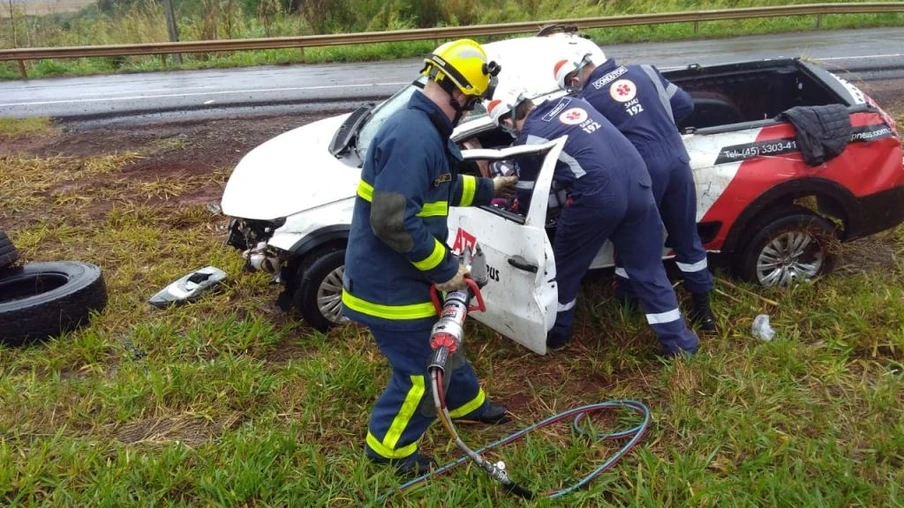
x,y
41,300
8,252
790,245
318,294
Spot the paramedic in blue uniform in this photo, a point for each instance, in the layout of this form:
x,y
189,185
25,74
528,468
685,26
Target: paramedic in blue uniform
x,y
396,251
646,107
610,198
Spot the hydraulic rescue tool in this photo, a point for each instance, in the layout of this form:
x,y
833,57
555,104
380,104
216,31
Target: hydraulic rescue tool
x,y
447,339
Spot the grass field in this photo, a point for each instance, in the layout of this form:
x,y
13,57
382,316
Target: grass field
x,y
229,402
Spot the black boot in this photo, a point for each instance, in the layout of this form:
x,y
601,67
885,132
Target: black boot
x,y
555,340
492,414
411,466
702,314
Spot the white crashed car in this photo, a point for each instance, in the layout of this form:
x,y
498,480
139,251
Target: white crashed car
x,y
751,186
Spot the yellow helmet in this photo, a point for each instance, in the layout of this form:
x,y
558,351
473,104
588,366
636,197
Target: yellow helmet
x,y
462,64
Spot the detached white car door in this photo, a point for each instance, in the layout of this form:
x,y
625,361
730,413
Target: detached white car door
x,y
521,295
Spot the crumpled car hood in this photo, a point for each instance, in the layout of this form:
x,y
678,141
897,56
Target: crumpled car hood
x,y
290,173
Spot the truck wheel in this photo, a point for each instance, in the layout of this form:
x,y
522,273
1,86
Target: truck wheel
x,y
787,248
8,252
43,300
318,295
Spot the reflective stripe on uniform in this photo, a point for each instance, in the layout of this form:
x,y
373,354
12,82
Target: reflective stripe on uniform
x,y
469,407
435,209
468,189
567,306
664,317
434,259
692,267
400,422
564,158
660,90
393,312
389,453
366,191
671,90
572,164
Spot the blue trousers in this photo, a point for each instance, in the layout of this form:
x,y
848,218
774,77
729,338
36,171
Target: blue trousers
x,y
676,197
630,219
399,418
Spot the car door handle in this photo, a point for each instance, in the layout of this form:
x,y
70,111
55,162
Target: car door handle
x,y
519,263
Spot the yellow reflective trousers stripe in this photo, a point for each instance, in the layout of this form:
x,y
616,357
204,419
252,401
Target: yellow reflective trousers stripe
x,y
388,453
470,406
394,312
400,422
387,447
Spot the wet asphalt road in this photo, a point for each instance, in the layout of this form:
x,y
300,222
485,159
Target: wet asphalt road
x,y
868,54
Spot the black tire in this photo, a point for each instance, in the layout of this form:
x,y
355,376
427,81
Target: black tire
x,y
42,300
8,252
789,245
320,281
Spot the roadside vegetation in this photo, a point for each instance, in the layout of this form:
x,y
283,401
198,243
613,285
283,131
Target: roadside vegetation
x,y
15,127
229,402
140,21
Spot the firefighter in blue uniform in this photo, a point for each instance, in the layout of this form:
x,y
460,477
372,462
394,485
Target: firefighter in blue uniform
x,y
396,250
610,198
646,107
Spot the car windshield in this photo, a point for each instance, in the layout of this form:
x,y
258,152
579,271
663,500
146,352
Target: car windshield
x,y
382,113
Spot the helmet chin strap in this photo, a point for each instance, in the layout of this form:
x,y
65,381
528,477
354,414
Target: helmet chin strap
x,y
450,88
459,111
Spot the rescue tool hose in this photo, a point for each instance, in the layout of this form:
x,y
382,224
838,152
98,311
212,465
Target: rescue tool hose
x,y
446,339
497,471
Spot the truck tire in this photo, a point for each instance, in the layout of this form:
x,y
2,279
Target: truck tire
x,y
8,252
319,290
790,245
43,300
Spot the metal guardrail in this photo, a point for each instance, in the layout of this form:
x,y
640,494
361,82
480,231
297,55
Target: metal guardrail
x,y
164,48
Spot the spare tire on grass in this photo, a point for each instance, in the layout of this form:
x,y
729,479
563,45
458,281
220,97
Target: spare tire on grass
x,y
41,300
8,252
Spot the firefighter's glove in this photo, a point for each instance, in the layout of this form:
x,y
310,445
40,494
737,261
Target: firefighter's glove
x,y
504,186
456,282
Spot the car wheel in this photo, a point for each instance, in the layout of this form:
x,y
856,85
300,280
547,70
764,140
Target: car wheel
x,y
42,300
8,252
788,248
318,297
